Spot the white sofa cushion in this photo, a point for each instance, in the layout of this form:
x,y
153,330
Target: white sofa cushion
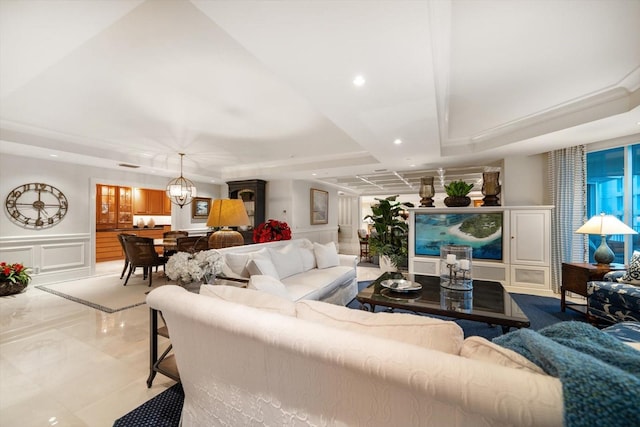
x,y
250,298
422,331
261,266
287,260
326,255
269,285
479,348
237,261
315,283
308,258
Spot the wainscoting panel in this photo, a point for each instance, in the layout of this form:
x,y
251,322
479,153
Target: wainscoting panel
x,y
50,258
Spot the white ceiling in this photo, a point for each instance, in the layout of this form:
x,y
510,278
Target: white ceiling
x,y
263,89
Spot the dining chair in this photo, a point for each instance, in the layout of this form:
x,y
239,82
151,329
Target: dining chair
x,y
175,234
142,253
121,239
192,244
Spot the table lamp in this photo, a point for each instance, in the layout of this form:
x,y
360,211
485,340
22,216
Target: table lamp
x,y
605,225
227,213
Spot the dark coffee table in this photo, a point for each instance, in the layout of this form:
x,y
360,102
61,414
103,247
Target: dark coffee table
x,y
487,302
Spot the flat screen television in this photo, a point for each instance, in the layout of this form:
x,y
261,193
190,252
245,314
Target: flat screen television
x,y
482,231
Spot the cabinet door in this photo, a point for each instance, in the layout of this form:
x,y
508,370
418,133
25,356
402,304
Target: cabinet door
x,y
530,234
155,199
140,201
167,204
106,206
125,207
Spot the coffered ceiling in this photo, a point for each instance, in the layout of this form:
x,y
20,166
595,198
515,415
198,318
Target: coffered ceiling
x,y
264,89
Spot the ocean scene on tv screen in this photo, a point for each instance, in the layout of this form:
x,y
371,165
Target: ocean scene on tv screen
x,y
482,231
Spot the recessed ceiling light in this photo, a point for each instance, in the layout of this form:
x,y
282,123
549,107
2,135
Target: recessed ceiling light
x,y
359,80
53,155
397,141
314,174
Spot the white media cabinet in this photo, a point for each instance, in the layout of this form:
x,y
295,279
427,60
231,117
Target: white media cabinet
x,y
526,248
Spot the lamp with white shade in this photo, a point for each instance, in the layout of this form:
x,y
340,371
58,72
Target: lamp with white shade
x,y
605,225
227,213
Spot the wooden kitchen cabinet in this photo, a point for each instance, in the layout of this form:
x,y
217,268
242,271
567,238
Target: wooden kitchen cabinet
x,y
151,202
106,206
125,207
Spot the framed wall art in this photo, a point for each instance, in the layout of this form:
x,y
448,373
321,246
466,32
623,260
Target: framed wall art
x,y
200,207
319,207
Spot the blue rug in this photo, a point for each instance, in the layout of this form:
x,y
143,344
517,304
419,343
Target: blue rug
x,y
161,411
164,409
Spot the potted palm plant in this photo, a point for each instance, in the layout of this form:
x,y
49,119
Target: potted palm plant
x,y
457,194
389,240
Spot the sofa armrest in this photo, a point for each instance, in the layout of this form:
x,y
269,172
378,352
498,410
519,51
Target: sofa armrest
x,y
348,260
613,276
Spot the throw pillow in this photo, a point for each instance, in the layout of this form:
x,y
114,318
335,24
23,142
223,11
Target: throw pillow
x,y
326,255
308,258
286,260
422,331
269,285
237,262
250,298
262,266
478,348
632,276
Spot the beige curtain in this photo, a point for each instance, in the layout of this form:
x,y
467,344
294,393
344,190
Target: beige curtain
x,y
568,184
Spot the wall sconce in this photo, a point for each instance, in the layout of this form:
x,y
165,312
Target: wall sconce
x,y
427,191
490,188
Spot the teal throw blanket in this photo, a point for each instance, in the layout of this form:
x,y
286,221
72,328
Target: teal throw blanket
x,y
600,374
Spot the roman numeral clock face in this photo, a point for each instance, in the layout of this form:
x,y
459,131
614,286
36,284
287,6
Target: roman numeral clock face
x,y
36,205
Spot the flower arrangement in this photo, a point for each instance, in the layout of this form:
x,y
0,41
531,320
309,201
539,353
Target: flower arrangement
x,y
186,267
13,278
271,231
14,273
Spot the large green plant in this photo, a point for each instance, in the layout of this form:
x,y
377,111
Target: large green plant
x,y
391,230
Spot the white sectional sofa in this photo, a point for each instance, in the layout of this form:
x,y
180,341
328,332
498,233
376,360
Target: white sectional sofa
x,y
250,358
295,269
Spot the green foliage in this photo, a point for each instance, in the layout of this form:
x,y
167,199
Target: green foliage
x,y
391,230
458,188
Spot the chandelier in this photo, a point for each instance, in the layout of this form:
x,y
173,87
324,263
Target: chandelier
x,y
180,190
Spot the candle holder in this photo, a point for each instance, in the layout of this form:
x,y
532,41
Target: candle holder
x,y
427,191
455,267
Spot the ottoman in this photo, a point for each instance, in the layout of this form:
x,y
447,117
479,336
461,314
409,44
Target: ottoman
x,y
613,302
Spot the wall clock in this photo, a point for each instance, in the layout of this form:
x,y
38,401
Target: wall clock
x,y
36,205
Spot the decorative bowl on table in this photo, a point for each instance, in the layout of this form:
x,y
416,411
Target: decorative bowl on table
x,y
401,285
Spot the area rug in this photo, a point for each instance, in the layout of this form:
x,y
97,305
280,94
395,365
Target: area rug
x,y
106,293
161,411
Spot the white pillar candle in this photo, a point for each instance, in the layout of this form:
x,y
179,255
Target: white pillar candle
x,y
451,258
464,264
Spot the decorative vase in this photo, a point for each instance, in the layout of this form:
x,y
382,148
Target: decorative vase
x,y
427,191
140,223
490,188
7,287
457,201
151,223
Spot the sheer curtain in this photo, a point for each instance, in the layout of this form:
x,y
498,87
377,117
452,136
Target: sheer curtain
x,y
567,186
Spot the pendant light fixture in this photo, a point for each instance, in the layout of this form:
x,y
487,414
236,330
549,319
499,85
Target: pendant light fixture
x,y
180,190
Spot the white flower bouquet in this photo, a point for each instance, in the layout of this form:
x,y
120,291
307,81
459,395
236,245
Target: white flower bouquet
x,y
186,267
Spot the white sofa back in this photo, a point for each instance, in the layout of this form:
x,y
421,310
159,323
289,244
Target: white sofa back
x,y
240,365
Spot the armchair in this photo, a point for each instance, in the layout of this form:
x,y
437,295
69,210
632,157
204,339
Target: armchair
x,y
612,301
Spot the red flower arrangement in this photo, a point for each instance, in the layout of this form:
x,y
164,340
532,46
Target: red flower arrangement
x,y
270,231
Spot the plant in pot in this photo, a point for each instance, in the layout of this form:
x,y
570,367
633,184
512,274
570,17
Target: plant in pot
x,y
14,278
389,238
457,194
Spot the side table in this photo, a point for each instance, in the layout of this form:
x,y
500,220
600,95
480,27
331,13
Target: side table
x,y
575,277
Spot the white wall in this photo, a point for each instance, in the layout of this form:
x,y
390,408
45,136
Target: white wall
x,y
67,250
524,181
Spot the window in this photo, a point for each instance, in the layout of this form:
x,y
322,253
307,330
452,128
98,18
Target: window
x,y
613,187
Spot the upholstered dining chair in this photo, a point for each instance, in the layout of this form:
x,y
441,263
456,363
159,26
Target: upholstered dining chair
x,y
192,244
121,239
175,234
142,253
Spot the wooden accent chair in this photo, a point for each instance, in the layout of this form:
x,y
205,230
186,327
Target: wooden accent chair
x,y
175,234
142,253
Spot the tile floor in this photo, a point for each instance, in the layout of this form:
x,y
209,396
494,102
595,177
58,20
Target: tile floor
x,y
65,364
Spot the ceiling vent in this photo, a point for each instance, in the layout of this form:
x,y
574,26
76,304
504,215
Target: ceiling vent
x,y
127,165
